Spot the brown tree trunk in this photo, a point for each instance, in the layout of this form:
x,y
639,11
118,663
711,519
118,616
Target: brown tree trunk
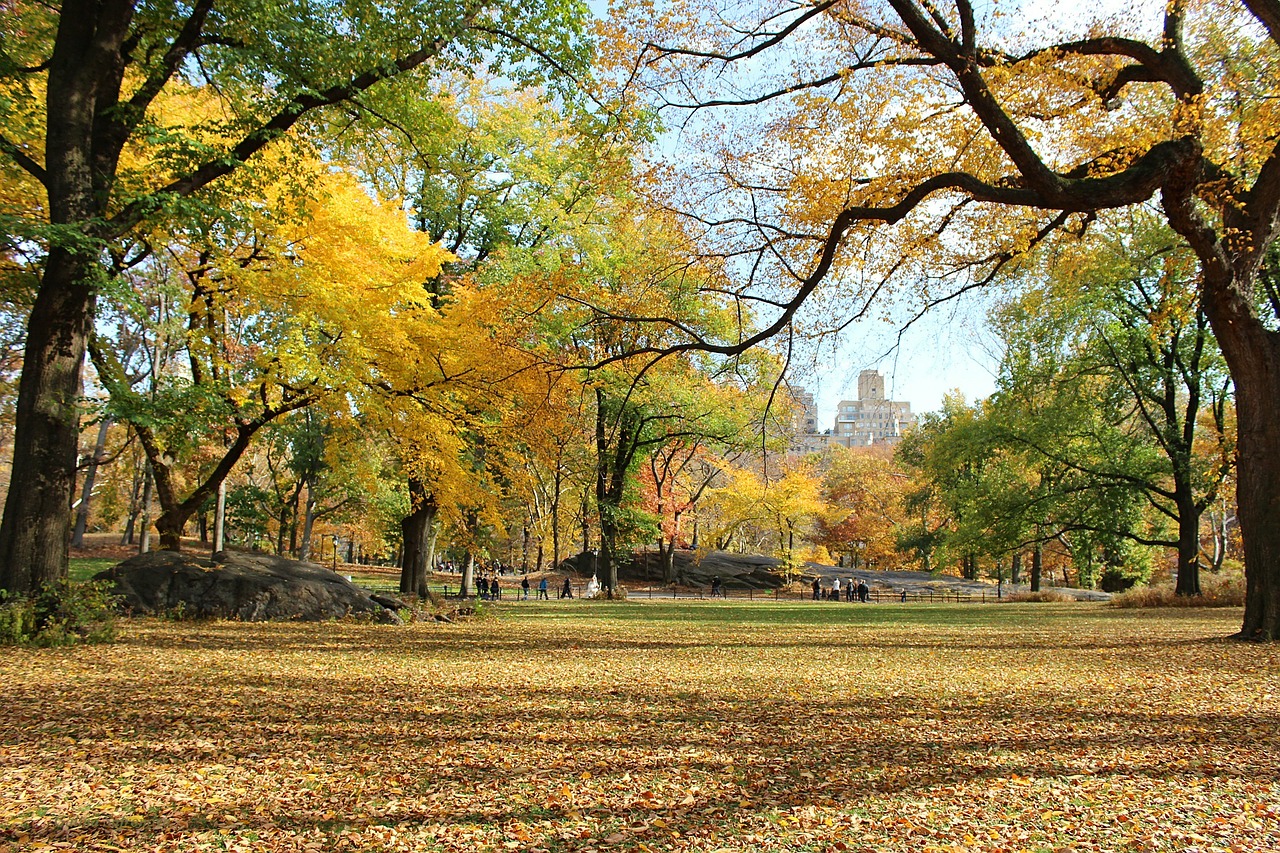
x,y
1188,544
308,523
1257,494
36,528
1037,566
415,530
1252,352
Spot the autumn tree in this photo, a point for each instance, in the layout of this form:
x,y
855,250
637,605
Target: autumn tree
x,y
273,318
916,143
868,488
775,509
106,161
1112,374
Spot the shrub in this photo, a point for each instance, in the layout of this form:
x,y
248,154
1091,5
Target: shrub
x,y
1225,589
1044,595
61,614
619,593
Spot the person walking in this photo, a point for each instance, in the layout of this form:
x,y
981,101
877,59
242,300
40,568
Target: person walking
x,y
716,588
566,591
835,589
863,591
849,590
542,590
817,589
524,588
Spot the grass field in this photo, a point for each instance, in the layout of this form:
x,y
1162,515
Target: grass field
x,y
653,726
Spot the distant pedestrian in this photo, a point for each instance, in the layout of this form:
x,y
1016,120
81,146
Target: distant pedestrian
x,y
817,589
495,591
566,591
904,596
716,588
849,590
835,589
524,588
863,591
542,590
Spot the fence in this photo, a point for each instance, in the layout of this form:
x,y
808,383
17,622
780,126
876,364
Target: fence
x,y
879,596
930,596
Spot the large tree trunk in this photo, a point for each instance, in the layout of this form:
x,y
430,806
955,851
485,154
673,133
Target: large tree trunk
x,y
468,575
1257,380
667,561
415,529
36,528
170,524
83,66
1252,352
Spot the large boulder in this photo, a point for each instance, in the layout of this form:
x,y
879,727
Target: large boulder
x,y
248,586
738,571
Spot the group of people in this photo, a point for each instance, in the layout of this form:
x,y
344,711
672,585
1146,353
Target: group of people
x,y
853,588
490,590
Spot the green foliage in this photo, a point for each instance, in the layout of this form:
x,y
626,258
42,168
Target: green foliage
x,y
61,614
248,513
631,524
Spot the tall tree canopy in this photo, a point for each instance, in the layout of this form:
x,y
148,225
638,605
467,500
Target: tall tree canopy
x,y
81,122
918,143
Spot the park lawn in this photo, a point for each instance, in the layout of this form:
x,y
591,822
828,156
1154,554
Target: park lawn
x,y
84,568
653,726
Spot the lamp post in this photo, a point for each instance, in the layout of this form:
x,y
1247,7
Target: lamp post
x,y
334,537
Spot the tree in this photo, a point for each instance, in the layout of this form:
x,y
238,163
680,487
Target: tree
x,y
108,160
917,142
273,319
869,488
1111,374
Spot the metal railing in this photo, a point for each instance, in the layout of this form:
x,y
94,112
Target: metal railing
x,y
876,596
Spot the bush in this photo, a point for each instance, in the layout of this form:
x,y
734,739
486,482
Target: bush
x,y
1050,595
61,614
1225,589
619,594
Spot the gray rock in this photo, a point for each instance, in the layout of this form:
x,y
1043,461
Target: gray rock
x,y
247,586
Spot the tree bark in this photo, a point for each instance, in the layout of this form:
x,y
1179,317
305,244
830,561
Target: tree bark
x,y
1188,544
309,523
36,528
1257,378
415,531
1037,566
144,539
1252,352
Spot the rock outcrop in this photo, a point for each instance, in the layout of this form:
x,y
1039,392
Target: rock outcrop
x,y
248,586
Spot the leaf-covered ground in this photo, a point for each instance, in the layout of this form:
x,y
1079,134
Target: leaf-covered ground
x,y
653,726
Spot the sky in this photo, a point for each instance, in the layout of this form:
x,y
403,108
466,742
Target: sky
x,y
950,349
